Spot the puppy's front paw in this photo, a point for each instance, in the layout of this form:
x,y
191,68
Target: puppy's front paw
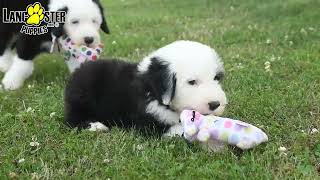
x,y
5,61
175,130
97,126
11,83
19,71
5,65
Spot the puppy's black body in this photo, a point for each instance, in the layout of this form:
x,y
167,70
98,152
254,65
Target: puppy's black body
x,y
111,92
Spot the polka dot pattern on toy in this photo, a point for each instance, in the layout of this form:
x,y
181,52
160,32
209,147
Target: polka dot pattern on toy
x,y
79,53
228,124
234,132
215,133
234,139
225,136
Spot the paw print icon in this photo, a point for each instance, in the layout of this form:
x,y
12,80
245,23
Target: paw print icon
x,y
36,14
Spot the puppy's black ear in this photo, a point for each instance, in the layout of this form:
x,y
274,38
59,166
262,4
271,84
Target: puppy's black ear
x,y
104,25
160,80
59,31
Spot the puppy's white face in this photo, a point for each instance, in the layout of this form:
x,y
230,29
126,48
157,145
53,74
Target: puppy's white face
x,y
198,70
83,20
198,88
83,23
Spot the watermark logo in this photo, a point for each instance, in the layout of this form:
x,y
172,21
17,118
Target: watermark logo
x,y
36,20
35,13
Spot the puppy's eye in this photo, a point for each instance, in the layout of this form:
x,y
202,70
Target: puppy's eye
x,y
192,82
94,21
218,77
75,21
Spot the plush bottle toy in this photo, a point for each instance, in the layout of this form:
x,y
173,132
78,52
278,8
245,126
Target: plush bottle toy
x,y
199,127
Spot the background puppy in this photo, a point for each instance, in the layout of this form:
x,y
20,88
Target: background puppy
x,y
151,94
83,20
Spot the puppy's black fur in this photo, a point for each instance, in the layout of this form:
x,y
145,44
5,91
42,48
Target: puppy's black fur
x,y
114,93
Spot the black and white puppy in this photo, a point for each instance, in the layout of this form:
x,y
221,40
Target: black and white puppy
x,y
147,95
83,21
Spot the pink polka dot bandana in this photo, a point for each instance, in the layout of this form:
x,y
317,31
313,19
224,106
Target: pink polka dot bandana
x,y
80,53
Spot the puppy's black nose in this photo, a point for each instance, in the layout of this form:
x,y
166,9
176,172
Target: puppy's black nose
x,y
213,105
88,40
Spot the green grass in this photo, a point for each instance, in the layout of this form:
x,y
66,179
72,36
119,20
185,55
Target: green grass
x,y
285,101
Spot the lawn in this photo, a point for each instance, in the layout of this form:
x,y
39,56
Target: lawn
x,y
271,52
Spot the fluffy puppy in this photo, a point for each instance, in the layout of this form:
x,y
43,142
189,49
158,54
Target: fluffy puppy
x,y
147,95
84,19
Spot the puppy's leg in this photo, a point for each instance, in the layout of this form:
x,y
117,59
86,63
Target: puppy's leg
x,y
79,119
210,146
175,130
22,66
73,65
78,112
5,50
6,60
19,71
97,126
